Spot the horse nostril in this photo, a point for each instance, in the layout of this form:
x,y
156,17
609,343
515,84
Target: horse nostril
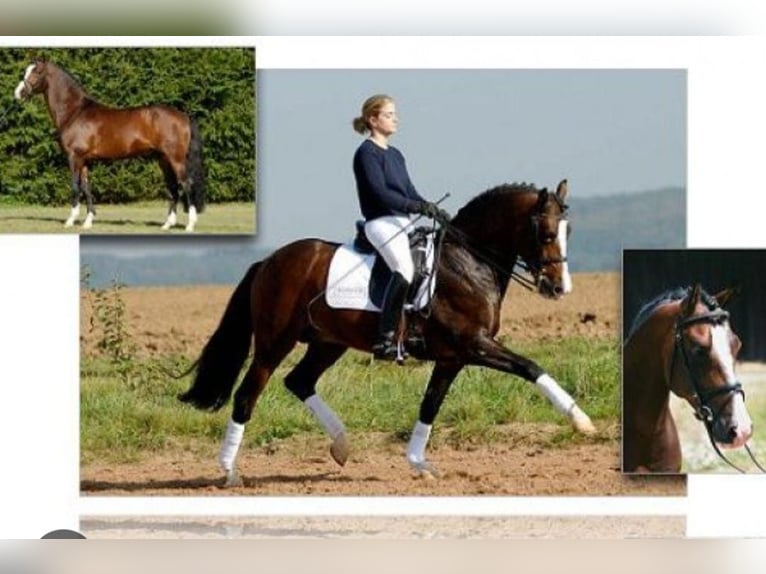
x,y
732,434
558,289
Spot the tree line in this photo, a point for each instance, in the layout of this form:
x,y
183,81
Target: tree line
x,y
215,86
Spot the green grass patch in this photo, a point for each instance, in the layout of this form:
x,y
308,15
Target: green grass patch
x,y
134,218
127,414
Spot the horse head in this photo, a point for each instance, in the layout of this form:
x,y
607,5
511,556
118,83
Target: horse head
x,y
707,348
546,254
34,81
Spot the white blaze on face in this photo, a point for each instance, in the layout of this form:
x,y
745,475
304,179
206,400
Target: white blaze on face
x,y
721,353
17,91
566,278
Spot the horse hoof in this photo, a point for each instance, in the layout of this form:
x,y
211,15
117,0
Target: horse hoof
x,y
425,471
339,449
165,226
88,223
69,223
233,480
582,422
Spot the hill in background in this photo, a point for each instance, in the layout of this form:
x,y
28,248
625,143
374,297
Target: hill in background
x,y
602,227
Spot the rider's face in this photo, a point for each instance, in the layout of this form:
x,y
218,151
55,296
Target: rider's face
x,y
386,122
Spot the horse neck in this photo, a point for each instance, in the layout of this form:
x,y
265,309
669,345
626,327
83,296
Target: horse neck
x,y
64,98
646,374
494,238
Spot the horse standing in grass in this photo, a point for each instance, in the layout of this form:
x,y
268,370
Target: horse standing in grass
x,y
89,131
280,301
681,342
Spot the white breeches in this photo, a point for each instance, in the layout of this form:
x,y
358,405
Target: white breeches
x,y
388,235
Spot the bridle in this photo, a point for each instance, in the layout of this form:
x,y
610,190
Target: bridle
x,y
536,266
704,410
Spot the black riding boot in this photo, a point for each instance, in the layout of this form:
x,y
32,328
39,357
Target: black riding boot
x,y
391,313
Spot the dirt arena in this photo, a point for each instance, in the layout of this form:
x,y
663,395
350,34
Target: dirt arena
x,y
166,321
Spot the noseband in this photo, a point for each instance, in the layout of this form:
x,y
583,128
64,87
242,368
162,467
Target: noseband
x,y
704,410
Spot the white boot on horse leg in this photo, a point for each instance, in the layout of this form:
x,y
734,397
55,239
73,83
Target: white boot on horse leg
x,y
170,221
227,458
416,452
73,215
565,404
192,221
88,223
339,450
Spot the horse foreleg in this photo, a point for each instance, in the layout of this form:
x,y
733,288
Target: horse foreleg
x,y
301,382
490,353
441,379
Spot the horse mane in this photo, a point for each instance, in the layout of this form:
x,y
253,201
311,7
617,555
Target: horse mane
x,y
479,203
669,296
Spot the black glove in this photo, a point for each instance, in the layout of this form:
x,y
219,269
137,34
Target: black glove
x,y
433,211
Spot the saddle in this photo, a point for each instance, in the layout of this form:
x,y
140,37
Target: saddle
x,y
358,277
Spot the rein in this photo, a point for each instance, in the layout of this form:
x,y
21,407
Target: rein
x,y
704,412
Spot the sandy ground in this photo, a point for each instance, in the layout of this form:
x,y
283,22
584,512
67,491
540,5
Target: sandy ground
x,y
179,320
386,527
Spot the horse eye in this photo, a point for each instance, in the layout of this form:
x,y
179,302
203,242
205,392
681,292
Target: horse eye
x,y
699,351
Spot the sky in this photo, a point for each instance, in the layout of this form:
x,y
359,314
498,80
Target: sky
x,y
462,132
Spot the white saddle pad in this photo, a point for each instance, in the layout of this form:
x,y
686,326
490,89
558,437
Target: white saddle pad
x,y
348,280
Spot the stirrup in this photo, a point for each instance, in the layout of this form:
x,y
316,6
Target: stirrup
x,y
386,350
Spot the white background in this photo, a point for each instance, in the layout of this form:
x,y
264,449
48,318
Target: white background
x,y
39,280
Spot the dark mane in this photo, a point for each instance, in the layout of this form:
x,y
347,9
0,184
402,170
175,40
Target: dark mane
x,y
479,203
73,80
669,296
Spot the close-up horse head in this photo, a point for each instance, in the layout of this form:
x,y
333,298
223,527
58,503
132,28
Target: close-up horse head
x,y
34,80
547,257
702,367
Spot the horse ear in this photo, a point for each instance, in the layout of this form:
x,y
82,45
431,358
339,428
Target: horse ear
x,y
689,304
562,189
542,197
725,296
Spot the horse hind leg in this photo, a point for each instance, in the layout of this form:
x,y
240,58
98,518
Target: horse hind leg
x,y
171,183
85,185
75,168
301,382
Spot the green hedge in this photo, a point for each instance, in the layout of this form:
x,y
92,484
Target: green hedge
x,y
216,86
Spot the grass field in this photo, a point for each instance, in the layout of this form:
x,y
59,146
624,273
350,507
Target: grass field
x,y
130,409
135,218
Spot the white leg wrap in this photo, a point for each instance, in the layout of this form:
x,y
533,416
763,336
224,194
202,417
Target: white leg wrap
x,y
230,445
325,415
416,449
555,394
88,223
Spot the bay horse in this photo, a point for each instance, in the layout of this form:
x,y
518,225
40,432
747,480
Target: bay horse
x,y
89,131
279,303
681,342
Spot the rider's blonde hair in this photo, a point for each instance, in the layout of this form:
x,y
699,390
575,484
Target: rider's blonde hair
x,y
370,108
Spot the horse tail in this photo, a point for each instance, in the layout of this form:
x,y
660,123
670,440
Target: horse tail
x,y
195,168
224,354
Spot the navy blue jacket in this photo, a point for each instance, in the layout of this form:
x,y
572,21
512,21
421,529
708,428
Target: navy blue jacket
x,y
382,182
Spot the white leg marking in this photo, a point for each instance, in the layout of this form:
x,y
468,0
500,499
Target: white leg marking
x,y
566,278
170,221
88,223
229,449
339,450
564,403
73,215
192,218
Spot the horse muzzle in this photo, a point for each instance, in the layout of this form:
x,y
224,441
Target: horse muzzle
x,y
21,92
550,289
